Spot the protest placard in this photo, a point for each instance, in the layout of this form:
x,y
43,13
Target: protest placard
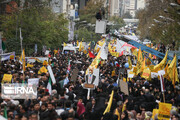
x,y
124,87
164,111
146,73
33,81
74,74
7,78
130,74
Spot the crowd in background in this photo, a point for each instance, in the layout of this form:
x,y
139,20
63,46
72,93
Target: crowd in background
x,y
68,101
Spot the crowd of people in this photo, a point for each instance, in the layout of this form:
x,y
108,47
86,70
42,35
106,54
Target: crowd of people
x,y
68,100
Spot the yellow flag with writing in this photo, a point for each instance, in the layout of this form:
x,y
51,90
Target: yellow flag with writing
x,y
172,71
162,64
139,61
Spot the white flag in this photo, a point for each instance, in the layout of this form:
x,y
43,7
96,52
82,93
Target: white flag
x,y
104,52
49,87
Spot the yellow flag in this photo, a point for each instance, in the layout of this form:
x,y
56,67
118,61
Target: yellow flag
x,y
139,61
95,62
129,62
113,73
172,71
80,46
55,52
77,42
166,74
151,67
115,54
65,44
29,65
22,59
150,55
89,44
45,63
124,79
101,43
42,70
143,65
85,51
117,113
135,53
109,103
162,64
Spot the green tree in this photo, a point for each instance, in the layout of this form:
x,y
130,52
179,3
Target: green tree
x,y
89,12
160,22
87,35
39,26
117,21
127,15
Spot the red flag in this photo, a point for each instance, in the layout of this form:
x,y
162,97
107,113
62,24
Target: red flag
x,y
91,55
128,45
121,54
49,55
117,65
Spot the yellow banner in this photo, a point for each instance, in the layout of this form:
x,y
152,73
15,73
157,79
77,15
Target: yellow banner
x,y
7,78
164,111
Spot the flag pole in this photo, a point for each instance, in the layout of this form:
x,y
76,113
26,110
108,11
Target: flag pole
x,y
163,97
22,52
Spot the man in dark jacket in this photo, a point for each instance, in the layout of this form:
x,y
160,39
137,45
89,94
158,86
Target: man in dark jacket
x,y
52,113
44,113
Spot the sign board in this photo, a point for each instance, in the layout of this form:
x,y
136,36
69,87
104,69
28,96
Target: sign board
x,y
7,78
74,74
51,74
124,87
100,26
33,81
164,111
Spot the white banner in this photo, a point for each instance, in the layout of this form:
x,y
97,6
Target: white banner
x,y
7,56
33,81
33,59
51,74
